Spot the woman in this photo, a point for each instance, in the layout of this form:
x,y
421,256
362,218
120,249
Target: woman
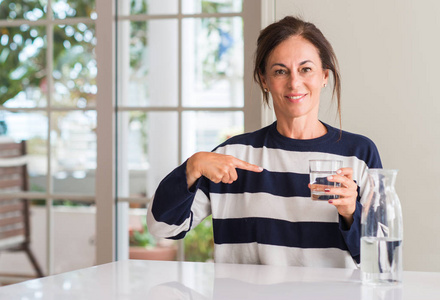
x,y
266,216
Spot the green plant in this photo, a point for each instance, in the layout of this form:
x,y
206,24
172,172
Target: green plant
x,y
21,71
142,238
199,242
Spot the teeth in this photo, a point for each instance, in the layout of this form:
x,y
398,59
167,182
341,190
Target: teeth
x,y
295,97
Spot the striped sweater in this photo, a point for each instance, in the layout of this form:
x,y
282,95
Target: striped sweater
x,y
269,217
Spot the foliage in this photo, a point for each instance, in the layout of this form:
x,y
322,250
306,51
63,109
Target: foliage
x,y
142,238
139,7
140,118
17,74
212,7
199,242
217,42
23,51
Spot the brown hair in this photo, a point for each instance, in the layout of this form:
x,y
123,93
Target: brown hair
x,y
275,33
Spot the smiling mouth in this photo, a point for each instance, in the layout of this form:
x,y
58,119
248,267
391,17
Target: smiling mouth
x,y
296,98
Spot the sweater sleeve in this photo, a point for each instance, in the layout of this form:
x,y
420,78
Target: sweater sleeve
x,y
175,209
352,235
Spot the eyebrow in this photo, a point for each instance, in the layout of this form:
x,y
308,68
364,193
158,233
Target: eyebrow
x,y
284,66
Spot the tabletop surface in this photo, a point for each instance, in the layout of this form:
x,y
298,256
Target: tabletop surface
x,y
140,279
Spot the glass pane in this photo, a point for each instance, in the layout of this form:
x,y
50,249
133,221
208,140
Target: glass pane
x,y
214,6
151,7
74,237
199,242
74,65
212,62
31,10
63,9
148,73
32,128
23,80
73,142
142,244
147,151
203,131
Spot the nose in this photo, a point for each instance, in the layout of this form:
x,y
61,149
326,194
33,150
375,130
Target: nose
x,y
294,80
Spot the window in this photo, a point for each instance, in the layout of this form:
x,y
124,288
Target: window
x,y
48,95
181,87
176,79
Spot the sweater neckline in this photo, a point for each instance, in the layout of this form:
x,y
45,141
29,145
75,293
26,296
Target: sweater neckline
x,y
329,136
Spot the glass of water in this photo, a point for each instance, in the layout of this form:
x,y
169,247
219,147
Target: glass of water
x,y
319,171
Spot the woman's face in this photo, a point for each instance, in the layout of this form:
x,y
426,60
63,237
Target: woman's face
x,y
294,77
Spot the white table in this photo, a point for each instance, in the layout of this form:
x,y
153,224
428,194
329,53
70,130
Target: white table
x,y
137,279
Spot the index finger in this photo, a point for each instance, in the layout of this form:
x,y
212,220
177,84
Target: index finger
x,y
244,165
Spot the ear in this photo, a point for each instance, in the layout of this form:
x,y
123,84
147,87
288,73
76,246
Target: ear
x,y
326,74
263,80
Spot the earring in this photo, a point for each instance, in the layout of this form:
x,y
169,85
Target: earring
x,y
325,84
266,90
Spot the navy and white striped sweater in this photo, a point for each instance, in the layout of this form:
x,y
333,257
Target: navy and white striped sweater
x,y
269,217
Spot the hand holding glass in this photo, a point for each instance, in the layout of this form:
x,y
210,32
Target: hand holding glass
x,y
319,171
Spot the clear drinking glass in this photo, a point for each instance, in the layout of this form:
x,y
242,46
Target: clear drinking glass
x,y
382,230
319,171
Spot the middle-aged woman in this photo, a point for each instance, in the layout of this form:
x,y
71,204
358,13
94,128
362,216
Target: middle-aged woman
x,y
255,185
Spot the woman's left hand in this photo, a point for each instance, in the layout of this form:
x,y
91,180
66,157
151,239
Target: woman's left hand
x,y
346,204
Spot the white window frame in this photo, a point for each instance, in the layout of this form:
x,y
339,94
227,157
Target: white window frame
x,y
105,185
252,110
49,195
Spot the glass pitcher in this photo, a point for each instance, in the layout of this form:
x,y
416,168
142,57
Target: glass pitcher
x,y
382,230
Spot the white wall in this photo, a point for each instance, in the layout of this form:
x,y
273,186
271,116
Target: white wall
x,y
389,58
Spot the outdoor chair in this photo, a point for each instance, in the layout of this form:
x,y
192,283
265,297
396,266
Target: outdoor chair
x,y
14,212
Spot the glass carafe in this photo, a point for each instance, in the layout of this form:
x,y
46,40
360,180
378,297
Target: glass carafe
x,y
382,230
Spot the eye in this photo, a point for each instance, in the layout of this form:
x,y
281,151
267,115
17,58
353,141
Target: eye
x,y
280,72
306,69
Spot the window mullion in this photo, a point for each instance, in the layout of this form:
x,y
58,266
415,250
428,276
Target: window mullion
x,y
181,248
252,95
49,178
105,132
